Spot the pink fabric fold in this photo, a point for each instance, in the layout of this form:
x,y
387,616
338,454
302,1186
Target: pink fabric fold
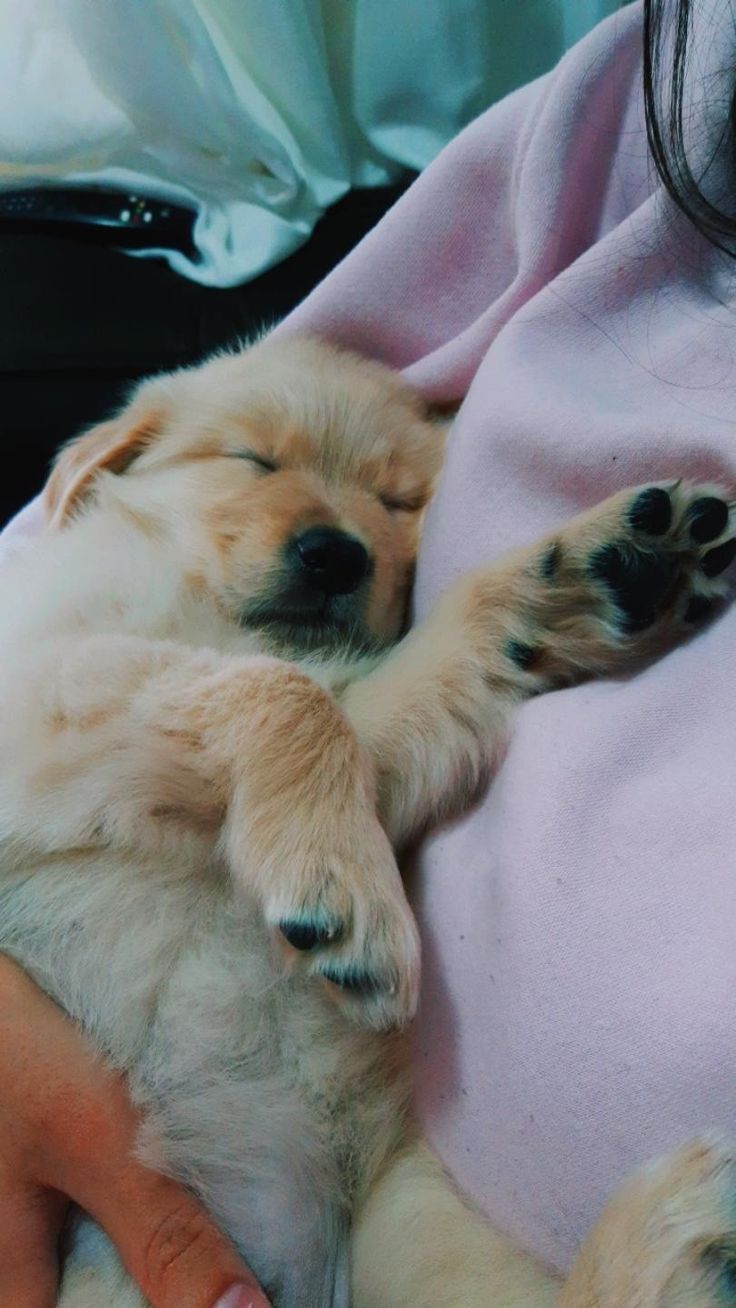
x,y
579,1003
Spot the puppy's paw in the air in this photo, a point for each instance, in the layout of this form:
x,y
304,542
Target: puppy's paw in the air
x,y
668,1238
623,582
345,922
665,558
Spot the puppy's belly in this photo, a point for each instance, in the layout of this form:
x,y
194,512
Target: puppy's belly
x,y
179,988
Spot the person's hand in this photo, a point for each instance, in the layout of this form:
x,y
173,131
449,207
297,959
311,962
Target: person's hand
x,y
67,1132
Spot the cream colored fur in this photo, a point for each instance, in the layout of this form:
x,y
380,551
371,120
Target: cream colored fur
x,y
181,774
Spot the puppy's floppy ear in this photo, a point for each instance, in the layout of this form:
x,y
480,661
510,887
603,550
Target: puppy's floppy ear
x,y
110,447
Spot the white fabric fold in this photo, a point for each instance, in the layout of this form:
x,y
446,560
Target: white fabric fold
x,y
260,115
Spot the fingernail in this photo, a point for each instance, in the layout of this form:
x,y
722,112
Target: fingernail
x,y
239,1296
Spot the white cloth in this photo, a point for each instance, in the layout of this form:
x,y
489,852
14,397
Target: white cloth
x,y
260,114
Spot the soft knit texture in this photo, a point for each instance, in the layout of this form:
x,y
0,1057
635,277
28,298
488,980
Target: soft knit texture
x,y
579,1008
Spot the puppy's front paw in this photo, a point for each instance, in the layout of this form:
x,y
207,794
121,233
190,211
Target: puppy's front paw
x,y
668,1238
344,919
621,583
663,562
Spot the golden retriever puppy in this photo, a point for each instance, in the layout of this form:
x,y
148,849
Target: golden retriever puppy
x,y
213,738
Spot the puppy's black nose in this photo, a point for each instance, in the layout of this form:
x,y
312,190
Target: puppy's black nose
x,y
334,562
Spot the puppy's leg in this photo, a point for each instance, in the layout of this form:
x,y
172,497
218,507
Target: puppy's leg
x,y
197,760
416,1244
667,1239
615,586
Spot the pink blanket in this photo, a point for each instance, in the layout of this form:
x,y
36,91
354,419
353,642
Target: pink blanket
x,y
580,970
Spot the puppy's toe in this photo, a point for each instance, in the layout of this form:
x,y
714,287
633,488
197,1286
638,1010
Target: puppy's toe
x,y
707,518
311,930
651,511
717,560
374,973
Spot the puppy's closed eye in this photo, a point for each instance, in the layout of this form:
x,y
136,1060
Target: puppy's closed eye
x,y
402,504
258,460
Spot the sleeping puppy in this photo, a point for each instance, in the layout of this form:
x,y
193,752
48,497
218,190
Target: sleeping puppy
x,y
213,739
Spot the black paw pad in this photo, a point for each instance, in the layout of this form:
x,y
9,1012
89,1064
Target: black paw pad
x,y
636,580
304,934
708,517
699,608
651,512
717,560
521,654
353,979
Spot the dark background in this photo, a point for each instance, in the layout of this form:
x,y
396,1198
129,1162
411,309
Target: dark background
x,y
79,323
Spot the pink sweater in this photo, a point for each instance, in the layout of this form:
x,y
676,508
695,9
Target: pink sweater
x,y
579,1008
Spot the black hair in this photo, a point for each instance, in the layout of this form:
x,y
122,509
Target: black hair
x,y
667,32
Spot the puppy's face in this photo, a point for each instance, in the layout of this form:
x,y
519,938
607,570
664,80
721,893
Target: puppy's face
x,y
291,477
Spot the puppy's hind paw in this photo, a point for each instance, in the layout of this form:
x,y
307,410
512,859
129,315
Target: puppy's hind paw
x,y
668,1238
